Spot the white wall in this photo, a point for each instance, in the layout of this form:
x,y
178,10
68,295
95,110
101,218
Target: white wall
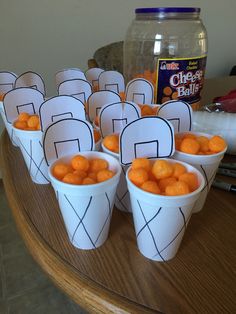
x,y
48,35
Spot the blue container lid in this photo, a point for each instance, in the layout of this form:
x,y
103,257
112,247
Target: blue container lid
x,y
168,10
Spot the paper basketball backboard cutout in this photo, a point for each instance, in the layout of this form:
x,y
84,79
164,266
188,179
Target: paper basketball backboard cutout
x,y
92,76
78,88
99,99
140,91
32,80
150,137
22,99
179,113
58,108
111,80
7,81
114,117
67,137
68,74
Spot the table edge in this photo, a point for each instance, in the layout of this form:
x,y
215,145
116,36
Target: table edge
x,y
91,296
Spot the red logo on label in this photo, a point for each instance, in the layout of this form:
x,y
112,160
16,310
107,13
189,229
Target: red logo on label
x,y
169,66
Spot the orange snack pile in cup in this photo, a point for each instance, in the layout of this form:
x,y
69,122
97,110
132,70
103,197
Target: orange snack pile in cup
x,y
27,122
111,142
1,96
162,177
83,171
199,144
147,110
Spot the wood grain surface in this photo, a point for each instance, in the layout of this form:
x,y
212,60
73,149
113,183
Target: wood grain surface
x,y
116,278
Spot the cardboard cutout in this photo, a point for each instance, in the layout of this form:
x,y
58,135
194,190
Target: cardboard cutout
x,y
32,80
67,137
179,113
77,88
92,76
140,91
111,80
99,99
114,117
68,74
22,99
7,81
58,108
150,137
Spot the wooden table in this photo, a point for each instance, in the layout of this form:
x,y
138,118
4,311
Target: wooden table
x,y
116,278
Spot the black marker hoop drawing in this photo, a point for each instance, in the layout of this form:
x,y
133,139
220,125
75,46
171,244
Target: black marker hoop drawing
x,y
140,91
155,141
66,137
60,107
32,80
22,99
174,110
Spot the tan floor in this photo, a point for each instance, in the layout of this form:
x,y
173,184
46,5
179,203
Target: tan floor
x,y
24,288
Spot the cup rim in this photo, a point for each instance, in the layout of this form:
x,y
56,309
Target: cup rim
x,y
84,187
165,197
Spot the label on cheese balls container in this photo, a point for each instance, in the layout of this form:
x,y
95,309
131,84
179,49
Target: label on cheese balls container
x,y
180,78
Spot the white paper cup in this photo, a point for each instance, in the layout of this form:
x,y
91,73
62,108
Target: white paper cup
x,y
8,126
206,164
30,143
87,209
122,200
160,221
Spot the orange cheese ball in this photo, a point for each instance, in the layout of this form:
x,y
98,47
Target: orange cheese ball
x,y
22,125
163,183
97,135
60,170
87,181
97,164
81,173
190,135
96,121
27,122
164,99
177,188
174,95
72,178
199,144
190,146
162,169
104,175
33,121
151,187
178,141
1,96
111,142
141,163
122,96
167,91
92,175
178,169
23,116
191,179
80,162
204,143
138,176
165,178
217,144
146,110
